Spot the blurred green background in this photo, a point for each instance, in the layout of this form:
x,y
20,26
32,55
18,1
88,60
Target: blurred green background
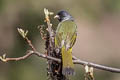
x,y
98,38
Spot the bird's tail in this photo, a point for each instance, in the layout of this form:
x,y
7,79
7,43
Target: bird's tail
x,y
67,63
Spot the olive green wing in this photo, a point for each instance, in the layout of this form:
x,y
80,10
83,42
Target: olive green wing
x,y
66,31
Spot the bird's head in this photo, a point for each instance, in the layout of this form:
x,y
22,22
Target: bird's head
x,y
63,15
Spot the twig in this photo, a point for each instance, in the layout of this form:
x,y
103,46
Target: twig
x,y
30,44
97,66
24,33
50,30
47,13
76,61
30,53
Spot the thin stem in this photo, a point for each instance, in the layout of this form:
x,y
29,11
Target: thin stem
x,y
76,61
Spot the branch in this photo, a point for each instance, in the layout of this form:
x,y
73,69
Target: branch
x,y
24,33
30,53
75,60
97,66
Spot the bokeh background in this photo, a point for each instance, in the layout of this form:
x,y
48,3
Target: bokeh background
x,y
98,38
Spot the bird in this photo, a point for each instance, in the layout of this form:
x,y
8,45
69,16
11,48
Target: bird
x,y
65,38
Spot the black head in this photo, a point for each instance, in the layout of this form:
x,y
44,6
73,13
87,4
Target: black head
x,y
63,15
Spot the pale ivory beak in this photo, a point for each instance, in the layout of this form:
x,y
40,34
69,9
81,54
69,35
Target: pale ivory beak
x,y
56,17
